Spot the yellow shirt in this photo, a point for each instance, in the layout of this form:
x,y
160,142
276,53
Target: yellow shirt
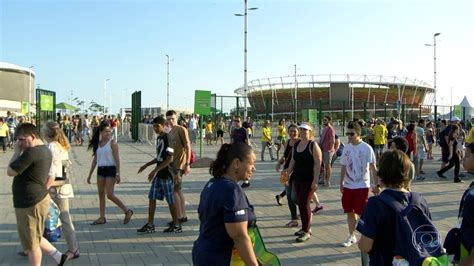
x,y
380,135
209,128
3,130
470,136
266,134
281,131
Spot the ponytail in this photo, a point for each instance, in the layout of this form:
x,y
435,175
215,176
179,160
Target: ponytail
x,y
226,154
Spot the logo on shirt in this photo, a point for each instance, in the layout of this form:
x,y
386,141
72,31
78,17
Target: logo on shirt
x,y
240,212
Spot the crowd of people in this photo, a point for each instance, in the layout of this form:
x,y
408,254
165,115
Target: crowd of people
x,y
379,158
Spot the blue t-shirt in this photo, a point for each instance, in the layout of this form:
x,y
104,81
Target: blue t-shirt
x,y
467,225
239,135
222,201
378,223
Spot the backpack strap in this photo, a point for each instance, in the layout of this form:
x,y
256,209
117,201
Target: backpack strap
x,y
393,203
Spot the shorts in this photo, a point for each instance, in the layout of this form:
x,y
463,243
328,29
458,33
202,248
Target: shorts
x,y
106,171
220,133
354,200
445,156
327,157
421,153
281,140
209,135
178,179
30,223
379,147
162,188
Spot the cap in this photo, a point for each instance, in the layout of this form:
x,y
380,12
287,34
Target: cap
x,y
305,126
454,119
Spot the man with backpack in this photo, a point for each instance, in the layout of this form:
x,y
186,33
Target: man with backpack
x,y
396,225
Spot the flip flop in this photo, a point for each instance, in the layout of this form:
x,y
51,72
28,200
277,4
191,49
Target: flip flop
x,y
292,224
73,255
128,216
99,221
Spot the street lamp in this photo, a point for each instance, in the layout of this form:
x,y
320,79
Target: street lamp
x,y
105,93
434,65
245,53
30,91
168,81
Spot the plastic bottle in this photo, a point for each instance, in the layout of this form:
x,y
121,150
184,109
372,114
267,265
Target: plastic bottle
x,y
399,261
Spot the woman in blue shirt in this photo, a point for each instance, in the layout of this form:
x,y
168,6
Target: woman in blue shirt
x,y
224,210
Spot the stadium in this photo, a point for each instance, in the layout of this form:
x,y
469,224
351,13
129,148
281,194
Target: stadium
x,y
16,87
333,93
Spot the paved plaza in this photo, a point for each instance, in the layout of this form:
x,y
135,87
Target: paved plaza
x,y
116,244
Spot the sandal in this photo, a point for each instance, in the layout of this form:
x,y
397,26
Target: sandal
x,y
128,216
101,220
292,224
72,255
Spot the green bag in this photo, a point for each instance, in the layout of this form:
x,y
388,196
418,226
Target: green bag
x,y
264,257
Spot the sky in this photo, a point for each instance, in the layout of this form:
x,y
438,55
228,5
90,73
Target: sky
x,y
75,45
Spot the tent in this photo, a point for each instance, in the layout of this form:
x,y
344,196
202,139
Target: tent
x,y
66,106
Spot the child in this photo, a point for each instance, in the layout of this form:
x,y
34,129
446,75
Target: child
x,y
467,225
377,224
162,180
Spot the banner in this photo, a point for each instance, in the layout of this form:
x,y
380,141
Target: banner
x,y
47,102
24,108
202,102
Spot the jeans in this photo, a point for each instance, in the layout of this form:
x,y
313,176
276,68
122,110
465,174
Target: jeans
x,y
303,199
67,227
264,147
290,197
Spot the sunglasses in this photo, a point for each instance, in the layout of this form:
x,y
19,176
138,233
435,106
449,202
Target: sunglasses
x,y
350,134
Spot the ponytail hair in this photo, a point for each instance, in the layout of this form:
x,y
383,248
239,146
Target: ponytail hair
x,y
94,142
226,154
55,133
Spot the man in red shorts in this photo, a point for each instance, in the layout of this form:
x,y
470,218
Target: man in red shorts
x,y
357,166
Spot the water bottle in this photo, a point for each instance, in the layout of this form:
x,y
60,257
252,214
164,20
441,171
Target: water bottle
x,y
399,261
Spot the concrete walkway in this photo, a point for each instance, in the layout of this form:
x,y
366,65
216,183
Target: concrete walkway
x,y
116,244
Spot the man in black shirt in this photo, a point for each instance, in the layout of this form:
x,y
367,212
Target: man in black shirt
x,y
30,165
239,134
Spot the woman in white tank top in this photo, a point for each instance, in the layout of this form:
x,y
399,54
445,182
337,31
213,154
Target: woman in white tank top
x,y
107,159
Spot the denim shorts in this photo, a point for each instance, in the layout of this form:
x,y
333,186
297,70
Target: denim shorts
x,y
106,171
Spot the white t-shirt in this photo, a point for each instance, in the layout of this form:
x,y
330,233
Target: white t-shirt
x,y
357,159
420,132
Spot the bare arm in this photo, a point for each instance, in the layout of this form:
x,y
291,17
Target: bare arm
x,y
16,154
93,165
317,158
341,179
143,167
238,233
159,167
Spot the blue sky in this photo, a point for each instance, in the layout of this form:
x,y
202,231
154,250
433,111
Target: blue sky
x,y
76,45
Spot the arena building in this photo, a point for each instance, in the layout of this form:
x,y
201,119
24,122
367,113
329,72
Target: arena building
x,y
333,92
16,87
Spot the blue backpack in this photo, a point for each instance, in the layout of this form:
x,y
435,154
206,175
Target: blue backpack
x,y
417,240
52,224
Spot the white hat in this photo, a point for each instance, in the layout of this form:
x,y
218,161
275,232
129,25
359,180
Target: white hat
x,y
455,119
305,126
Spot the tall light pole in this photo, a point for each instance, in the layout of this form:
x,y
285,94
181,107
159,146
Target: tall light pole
x,y
105,93
30,91
434,63
168,82
296,97
245,53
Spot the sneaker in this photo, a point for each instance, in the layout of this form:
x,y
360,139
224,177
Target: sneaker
x,y
146,229
317,209
303,238
301,232
245,184
458,180
420,178
350,241
180,220
173,229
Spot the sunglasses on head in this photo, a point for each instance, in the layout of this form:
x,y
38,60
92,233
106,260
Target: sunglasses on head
x,y
350,134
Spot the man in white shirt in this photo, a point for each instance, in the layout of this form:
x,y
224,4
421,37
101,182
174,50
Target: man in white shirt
x,y
357,165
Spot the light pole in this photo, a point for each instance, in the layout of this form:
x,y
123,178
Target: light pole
x,y
296,97
105,93
245,53
434,63
30,91
168,82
